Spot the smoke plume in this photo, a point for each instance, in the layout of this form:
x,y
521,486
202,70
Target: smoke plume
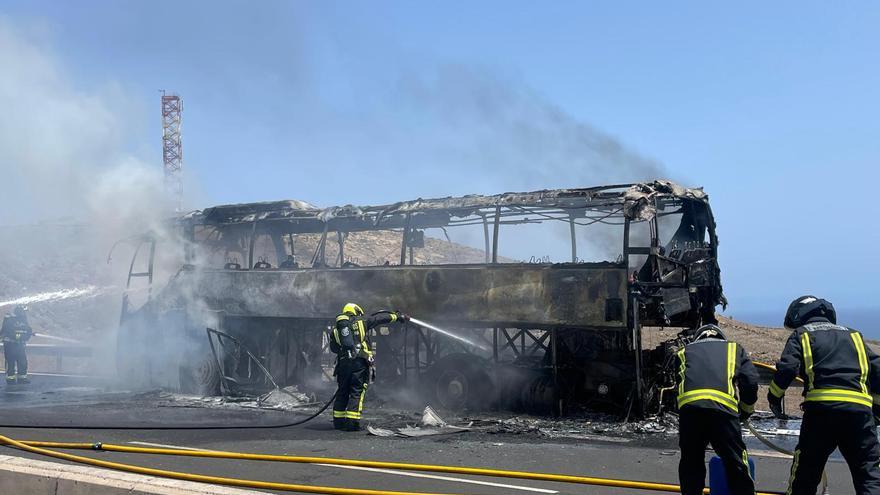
x,y
71,186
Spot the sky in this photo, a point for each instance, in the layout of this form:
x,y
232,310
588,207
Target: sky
x,y
772,107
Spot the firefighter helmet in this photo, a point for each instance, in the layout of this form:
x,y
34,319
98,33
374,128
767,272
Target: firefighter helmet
x,y
805,307
20,310
709,332
352,309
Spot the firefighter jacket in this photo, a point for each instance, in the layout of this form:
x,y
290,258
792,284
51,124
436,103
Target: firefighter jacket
x,y
711,373
15,329
349,338
839,371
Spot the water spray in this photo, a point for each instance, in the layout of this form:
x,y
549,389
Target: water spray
x,y
447,333
60,339
58,295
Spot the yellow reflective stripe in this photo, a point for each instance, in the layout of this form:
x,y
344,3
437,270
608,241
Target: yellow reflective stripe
x,y
352,415
710,394
794,466
808,360
839,395
342,318
361,401
362,330
710,391
336,336
863,360
340,414
776,390
745,457
393,317
681,372
876,398
840,398
731,366
838,391
714,398
749,408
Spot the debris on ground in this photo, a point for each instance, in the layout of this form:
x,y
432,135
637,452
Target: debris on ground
x,y
430,424
584,427
286,399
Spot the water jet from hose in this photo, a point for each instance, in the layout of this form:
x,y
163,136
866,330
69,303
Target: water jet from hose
x,y
447,333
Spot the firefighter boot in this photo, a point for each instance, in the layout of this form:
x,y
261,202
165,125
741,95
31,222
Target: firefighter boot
x,y
23,379
353,425
340,424
10,380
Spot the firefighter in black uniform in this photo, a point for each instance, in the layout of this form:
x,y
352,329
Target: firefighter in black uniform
x,y
354,362
841,376
711,370
15,332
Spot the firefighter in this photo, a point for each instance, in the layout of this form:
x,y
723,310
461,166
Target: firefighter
x,y
15,333
354,361
841,375
711,371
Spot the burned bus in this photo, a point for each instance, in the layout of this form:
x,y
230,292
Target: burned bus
x,y
256,286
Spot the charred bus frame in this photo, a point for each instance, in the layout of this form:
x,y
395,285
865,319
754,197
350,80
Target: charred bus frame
x,y
558,333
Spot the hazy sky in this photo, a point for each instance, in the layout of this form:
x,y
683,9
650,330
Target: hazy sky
x,y
773,107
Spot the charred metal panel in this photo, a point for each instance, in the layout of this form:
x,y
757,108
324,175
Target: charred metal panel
x,y
533,296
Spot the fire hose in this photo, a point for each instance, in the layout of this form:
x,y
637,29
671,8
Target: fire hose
x,y
43,448
166,428
766,441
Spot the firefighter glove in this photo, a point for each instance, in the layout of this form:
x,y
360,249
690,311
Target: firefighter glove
x,y
402,316
775,405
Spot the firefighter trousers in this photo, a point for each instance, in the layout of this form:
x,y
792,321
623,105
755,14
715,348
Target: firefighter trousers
x,y
16,360
352,378
824,429
699,428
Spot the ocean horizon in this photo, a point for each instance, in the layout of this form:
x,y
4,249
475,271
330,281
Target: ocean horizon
x,y
865,320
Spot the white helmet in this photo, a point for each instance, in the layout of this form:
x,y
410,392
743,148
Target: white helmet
x,y
710,332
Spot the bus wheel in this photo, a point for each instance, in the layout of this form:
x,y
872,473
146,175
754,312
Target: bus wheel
x,y
461,381
200,377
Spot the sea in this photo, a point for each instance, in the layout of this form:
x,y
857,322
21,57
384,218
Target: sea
x,y
865,320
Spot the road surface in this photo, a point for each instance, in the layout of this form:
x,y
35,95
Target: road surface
x,y
58,401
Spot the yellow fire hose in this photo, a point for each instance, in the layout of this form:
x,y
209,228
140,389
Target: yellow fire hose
x,y
770,367
40,447
43,448
266,485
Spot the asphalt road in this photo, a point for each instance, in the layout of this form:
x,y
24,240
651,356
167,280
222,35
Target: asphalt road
x,y
654,459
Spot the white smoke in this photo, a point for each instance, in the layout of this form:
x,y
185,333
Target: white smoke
x,y
72,182
64,149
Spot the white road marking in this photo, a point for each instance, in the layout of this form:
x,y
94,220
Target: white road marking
x,y
768,453
377,470
442,478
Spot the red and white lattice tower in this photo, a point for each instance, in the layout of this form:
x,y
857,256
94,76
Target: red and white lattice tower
x,y
172,150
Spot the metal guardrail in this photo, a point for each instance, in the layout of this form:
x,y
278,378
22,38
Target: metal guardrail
x,y
59,351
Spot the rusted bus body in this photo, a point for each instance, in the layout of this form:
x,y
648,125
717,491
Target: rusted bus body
x,y
522,295
552,334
